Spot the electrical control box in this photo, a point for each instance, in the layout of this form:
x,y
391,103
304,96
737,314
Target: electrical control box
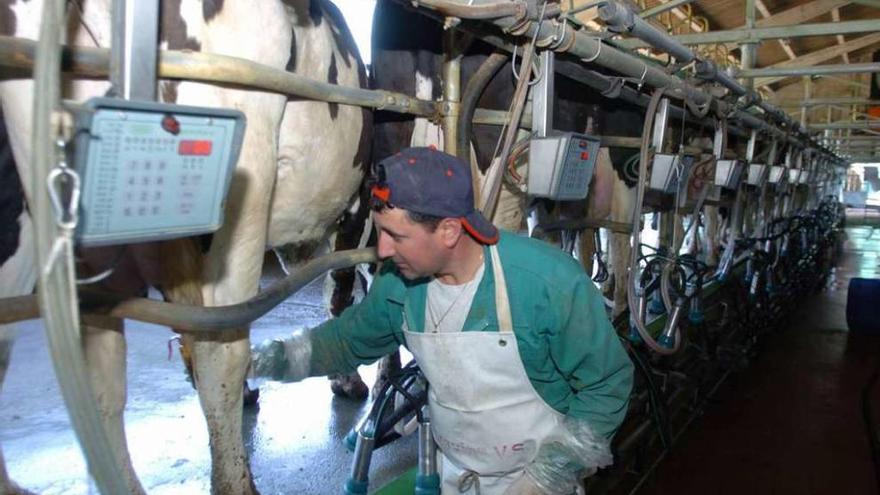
x,y
777,175
728,173
561,165
668,170
806,177
153,171
757,174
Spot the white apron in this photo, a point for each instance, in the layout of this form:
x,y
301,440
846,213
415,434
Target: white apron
x,y
487,419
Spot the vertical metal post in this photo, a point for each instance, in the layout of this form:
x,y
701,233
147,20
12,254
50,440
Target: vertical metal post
x,y
134,49
749,50
750,147
808,93
542,118
451,90
718,143
542,95
661,121
774,150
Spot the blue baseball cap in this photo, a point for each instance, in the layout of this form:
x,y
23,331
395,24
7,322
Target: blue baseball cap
x,y
431,182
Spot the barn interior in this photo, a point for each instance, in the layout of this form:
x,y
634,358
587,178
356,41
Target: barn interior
x,y
750,129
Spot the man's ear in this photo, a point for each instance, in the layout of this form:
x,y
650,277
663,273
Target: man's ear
x,y
450,230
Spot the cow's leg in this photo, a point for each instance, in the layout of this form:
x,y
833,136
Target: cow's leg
x,y
233,262
351,230
232,271
219,362
104,348
619,253
710,214
622,205
587,248
678,231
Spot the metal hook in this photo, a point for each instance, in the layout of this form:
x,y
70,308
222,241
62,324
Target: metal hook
x,y
65,214
642,79
533,69
598,51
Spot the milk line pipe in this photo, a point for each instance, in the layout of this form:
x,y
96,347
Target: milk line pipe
x,y
592,48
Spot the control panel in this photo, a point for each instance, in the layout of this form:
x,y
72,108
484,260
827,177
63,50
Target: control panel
x,y
153,171
668,170
561,165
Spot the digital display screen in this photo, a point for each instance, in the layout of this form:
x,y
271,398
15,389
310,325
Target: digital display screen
x,y
191,147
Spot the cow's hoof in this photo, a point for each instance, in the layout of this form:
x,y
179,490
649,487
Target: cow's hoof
x,y
350,387
250,396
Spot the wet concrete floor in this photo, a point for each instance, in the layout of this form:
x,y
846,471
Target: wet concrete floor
x,y
792,422
294,440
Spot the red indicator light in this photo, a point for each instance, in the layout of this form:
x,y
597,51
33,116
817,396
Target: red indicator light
x,y
194,147
585,155
582,144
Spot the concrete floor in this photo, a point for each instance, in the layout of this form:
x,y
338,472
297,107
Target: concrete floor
x,y
792,422
294,439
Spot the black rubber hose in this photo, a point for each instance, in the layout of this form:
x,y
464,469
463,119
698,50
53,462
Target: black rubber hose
x,y
471,95
658,405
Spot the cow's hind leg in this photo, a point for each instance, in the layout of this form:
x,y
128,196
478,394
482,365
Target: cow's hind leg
x,y
217,366
351,230
105,350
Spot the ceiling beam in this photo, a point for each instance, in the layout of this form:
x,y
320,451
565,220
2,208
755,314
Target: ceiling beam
x,y
823,55
801,13
857,84
816,102
663,7
868,3
835,16
852,138
859,124
810,70
768,33
797,15
784,43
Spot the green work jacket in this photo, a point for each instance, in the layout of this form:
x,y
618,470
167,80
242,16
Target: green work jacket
x,y
569,349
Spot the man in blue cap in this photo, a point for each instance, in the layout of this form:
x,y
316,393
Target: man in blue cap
x,y
527,379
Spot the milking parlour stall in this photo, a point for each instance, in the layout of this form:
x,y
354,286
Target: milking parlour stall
x,y
201,178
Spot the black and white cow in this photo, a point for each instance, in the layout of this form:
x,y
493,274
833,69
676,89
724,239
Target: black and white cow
x,y
300,166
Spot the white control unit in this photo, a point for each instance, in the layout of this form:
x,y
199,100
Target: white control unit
x,y
153,171
561,165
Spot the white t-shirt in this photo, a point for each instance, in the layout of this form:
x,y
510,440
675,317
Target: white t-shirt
x,y
448,305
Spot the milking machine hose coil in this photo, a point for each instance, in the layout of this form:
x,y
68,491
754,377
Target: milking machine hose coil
x,y
634,294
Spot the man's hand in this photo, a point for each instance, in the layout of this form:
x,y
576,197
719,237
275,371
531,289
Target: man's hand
x,y
524,486
268,360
